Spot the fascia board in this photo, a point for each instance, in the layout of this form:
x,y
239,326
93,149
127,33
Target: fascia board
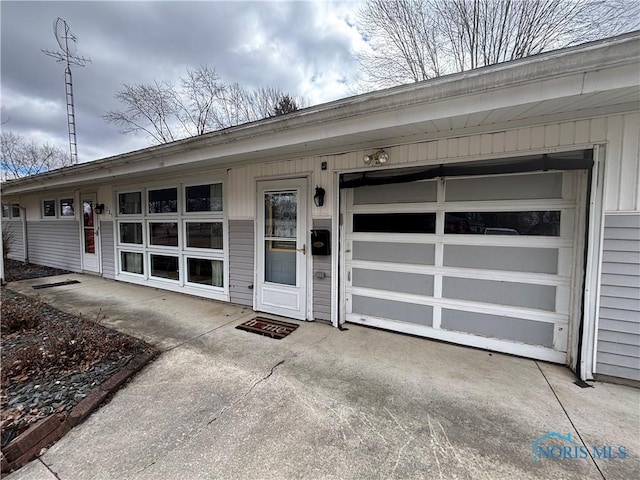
x,y
602,66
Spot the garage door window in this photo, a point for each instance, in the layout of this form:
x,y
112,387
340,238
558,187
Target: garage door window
x,y
395,222
544,223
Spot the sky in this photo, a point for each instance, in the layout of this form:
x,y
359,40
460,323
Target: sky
x,y
303,47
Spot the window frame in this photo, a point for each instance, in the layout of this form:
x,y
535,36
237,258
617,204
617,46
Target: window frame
x,y
147,202
183,253
9,209
149,275
201,212
121,271
201,250
153,246
57,203
119,237
201,285
43,209
142,203
73,207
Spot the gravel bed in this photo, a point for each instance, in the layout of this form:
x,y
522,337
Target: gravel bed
x,y
22,271
51,360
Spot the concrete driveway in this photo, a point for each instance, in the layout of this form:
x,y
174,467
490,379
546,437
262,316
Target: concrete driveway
x,y
323,403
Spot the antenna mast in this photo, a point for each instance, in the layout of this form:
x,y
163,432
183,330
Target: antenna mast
x,y
67,42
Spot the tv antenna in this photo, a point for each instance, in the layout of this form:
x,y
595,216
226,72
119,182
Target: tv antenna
x,y
68,43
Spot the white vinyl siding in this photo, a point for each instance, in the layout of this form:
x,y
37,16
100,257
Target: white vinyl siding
x,y
55,244
618,348
241,261
15,232
322,286
106,249
618,132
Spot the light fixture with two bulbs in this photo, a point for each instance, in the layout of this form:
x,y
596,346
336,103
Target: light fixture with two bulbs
x,y
379,158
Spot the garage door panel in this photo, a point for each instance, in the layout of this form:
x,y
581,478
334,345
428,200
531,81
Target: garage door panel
x,y
418,192
394,281
507,187
504,281
416,253
402,311
512,259
501,293
507,328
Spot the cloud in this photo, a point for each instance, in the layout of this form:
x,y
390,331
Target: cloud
x,y
302,47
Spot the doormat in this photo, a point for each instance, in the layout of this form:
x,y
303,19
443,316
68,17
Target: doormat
x,y
267,327
57,284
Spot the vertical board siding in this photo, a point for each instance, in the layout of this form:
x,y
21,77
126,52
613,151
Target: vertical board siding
x,y
619,132
16,243
241,253
322,286
622,164
107,250
618,349
55,244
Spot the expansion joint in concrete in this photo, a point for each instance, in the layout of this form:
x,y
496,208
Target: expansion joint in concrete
x,y
48,468
575,428
205,333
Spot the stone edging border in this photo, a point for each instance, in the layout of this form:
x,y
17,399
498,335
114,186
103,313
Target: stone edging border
x,y
51,429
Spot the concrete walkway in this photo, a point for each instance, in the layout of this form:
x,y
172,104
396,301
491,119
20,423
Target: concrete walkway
x,y
323,403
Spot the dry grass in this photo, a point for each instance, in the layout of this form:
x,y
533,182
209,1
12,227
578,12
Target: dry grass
x,y
40,343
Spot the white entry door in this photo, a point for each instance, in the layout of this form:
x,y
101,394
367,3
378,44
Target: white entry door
x,y
281,248
89,234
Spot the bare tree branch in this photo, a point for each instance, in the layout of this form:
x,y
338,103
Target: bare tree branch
x,y
414,40
164,112
21,158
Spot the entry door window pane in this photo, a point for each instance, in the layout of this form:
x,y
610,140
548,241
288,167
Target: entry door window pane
x,y
131,232
87,227
280,220
163,201
204,235
204,198
280,215
205,272
280,262
164,267
132,262
164,234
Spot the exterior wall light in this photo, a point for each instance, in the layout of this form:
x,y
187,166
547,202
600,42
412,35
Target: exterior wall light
x,y
318,198
99,208
379,158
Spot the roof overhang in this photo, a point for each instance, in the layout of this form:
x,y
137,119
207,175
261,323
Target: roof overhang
x,y
594,79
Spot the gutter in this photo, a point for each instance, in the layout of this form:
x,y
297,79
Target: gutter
x,y
590,57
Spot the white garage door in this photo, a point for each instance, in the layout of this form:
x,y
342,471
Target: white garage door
x,y
483,261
